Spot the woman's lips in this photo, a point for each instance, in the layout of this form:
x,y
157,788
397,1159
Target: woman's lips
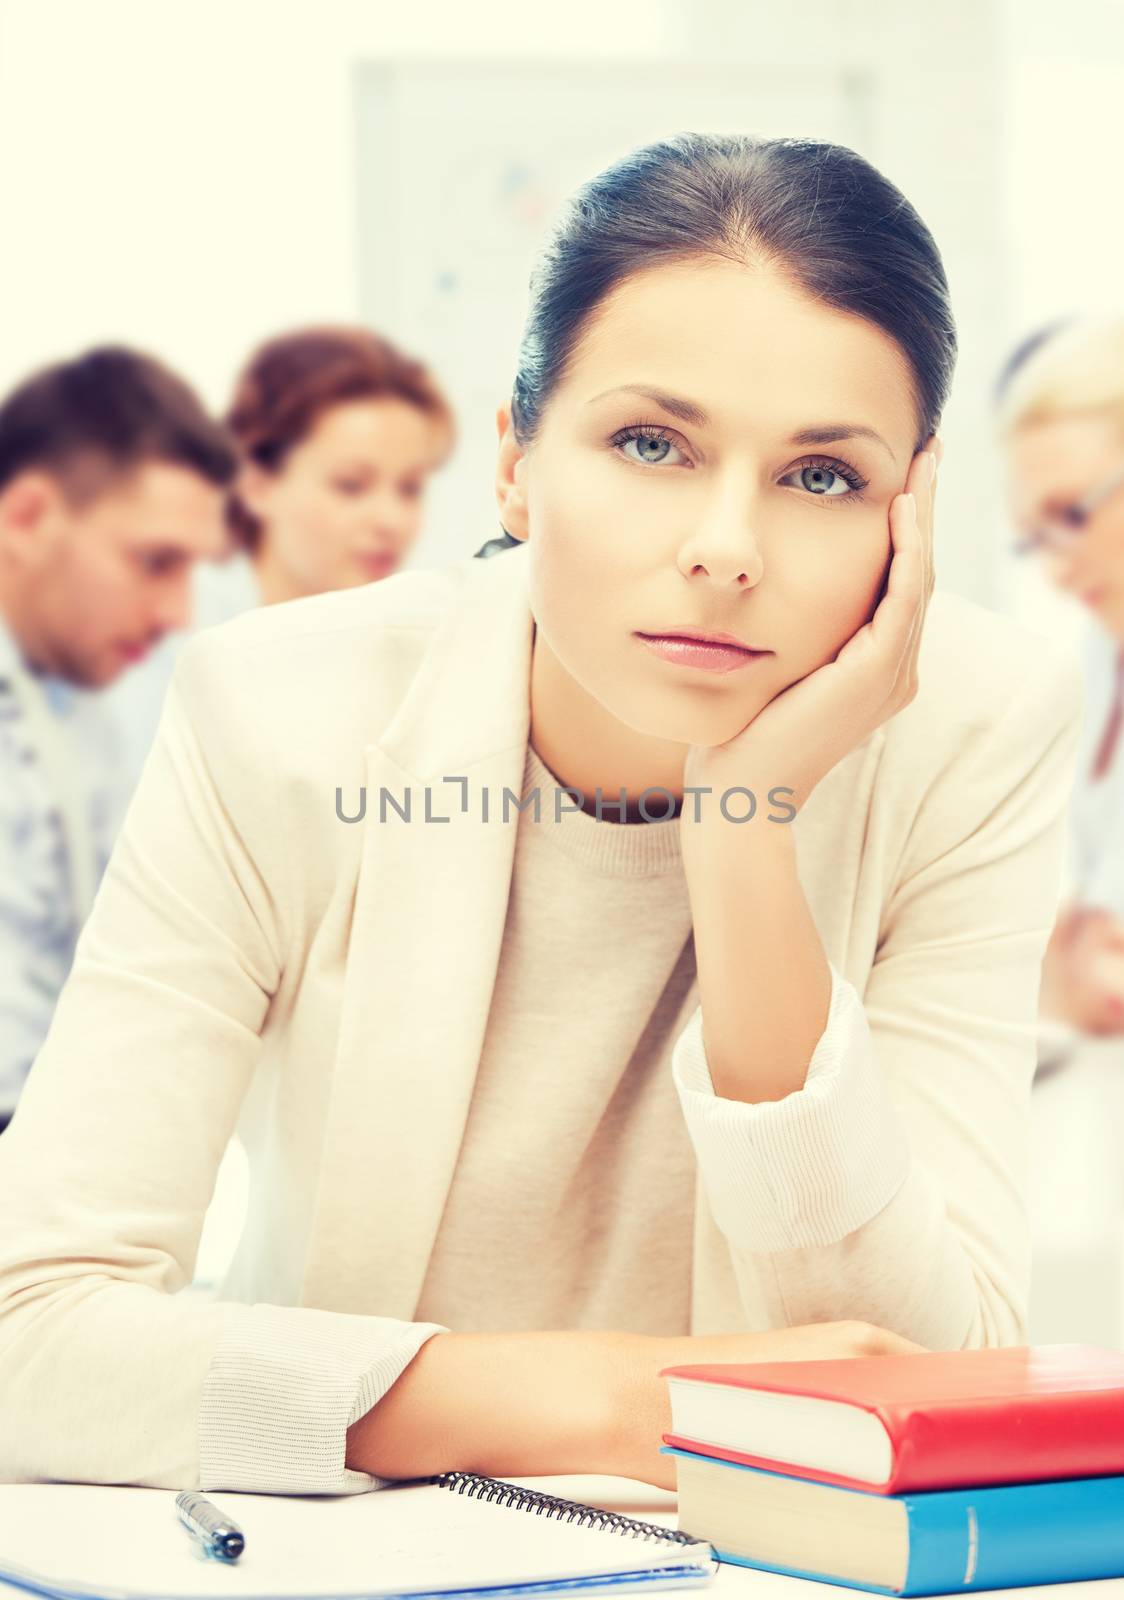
x,y
695,653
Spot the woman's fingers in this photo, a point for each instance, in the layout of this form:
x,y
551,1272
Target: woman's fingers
x,y
896,613
896,624
813,1341
926,510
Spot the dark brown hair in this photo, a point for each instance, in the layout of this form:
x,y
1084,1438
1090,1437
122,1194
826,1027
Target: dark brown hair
x,y
843,232
110,410
291,380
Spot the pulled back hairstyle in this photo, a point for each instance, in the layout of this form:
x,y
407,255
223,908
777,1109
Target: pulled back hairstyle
x,y
835,225
291,380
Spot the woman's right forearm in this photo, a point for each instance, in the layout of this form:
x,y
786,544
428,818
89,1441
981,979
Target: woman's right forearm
x,y
503,1404
524,1405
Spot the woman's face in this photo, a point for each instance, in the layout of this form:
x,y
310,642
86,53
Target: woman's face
x,y
346,504
1050,465
720,455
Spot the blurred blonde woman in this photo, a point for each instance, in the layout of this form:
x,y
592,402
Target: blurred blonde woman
x,y
1061,424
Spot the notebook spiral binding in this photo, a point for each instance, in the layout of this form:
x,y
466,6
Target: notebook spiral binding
x,y
551,1505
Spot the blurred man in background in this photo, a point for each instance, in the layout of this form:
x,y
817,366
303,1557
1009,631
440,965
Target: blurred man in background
x,y
112,486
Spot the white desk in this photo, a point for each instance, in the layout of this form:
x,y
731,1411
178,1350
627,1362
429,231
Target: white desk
x,y
1076,1199
731,1583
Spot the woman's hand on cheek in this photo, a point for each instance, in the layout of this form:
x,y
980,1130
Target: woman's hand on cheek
x,y
802,733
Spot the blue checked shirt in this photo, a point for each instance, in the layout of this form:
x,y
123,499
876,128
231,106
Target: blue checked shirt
x,y
62,798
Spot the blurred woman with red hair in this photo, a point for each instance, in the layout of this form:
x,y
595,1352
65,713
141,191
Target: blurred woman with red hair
x,y
339,432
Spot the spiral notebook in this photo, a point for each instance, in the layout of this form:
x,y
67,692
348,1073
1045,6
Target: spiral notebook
x,y
448,1537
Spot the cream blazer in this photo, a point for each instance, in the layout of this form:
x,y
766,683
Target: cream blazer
x,y
254,962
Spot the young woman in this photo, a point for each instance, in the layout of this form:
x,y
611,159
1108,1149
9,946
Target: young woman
x,y
538,1103
1061,425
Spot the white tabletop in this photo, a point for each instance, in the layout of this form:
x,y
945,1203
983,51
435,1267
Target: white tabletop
x,y
658,1505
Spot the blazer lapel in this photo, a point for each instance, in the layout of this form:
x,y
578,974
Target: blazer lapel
x,y
430,906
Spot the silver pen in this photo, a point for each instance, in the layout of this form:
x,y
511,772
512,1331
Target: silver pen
x,y
219,1534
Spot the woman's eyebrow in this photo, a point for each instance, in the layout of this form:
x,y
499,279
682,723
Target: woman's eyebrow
x,y
689,411
685,410
831,433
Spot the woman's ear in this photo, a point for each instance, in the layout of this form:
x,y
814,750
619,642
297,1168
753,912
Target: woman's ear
x,y
510,495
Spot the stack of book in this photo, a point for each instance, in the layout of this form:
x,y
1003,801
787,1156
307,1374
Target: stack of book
x,y
914,1474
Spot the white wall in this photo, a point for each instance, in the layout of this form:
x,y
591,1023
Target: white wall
x,y
182,175
1065,132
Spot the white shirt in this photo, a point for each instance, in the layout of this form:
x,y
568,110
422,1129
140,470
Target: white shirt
x,y
1094,871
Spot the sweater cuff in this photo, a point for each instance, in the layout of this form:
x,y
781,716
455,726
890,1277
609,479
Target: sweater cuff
x,y
284,1386
811,1168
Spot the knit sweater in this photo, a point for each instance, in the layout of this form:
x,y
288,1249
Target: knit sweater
x,y
572,1203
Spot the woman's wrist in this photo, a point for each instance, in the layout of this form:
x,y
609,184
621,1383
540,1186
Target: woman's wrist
x,y
757,973
523,1405
510,1404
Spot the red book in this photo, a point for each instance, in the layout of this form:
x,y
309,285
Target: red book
x,y
943,1419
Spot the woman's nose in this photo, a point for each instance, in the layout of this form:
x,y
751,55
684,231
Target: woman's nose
x,y
389,515
725,546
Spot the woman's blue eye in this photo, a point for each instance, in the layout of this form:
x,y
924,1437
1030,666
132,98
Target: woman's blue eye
x,y
652,450
824,481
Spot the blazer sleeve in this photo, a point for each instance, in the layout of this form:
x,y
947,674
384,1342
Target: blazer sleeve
x,y
107,1374
891,1186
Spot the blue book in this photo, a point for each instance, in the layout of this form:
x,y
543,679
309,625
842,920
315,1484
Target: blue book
x,y
932,1543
